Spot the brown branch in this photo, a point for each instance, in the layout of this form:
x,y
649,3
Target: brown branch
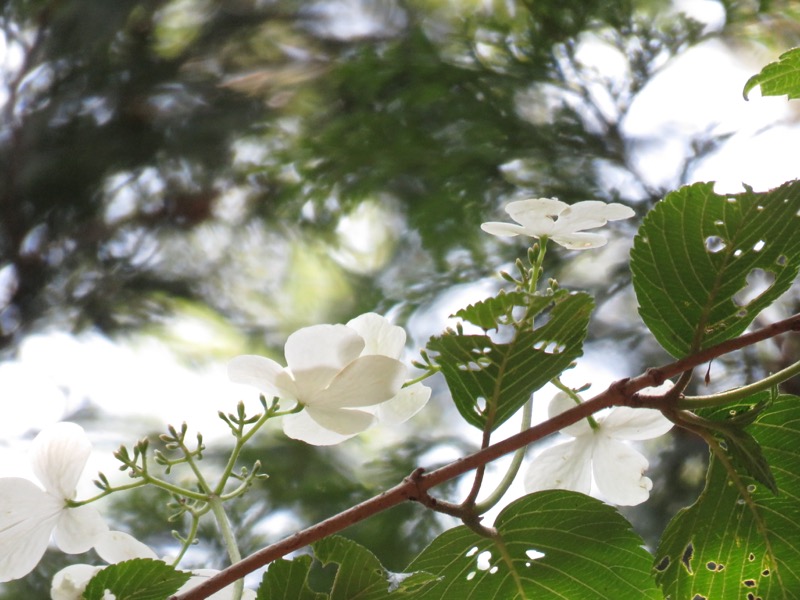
x,y
415,487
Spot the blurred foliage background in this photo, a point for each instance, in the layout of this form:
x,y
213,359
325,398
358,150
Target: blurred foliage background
x,y
255,166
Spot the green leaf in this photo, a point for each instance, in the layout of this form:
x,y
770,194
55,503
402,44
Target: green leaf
x,y
555,544
490,381
728,546
485,314
742,448
137,579
360,574
699,259
778,78
288,580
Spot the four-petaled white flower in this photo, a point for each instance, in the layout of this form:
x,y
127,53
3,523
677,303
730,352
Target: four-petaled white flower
x,y
617,468
347,377
30,515
560,222
114,547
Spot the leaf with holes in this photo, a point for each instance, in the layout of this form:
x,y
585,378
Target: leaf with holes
x,y
490,381
554,545
486,313
778,78
730,545
704,265
137,579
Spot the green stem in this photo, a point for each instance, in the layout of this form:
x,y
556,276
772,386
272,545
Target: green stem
x,y
495,497
691,402
572,394
229,539
145,480
190,538
106,492
429,373
201,480
241,440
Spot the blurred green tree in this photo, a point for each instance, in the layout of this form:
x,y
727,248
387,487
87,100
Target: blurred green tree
x,y
270,165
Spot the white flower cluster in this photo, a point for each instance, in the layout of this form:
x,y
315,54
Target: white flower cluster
x,y
30,515
346,377
563,223
600,454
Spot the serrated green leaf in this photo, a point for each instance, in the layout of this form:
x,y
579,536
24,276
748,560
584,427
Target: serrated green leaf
x,y
137,579
360,574
558,545
698,254
288,580
724,547
778,78
486,313
490,381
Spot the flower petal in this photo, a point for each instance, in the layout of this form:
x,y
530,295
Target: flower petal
x,y
563,467
117,546
560,403
343,421
366,381
580,240
27,518
380,336
618,471
263,374
70,582
408,402
328,347
78,529
591,214
58,456
582,215
537,215
615,211
326,427
504,229
536,209
316,354
625,423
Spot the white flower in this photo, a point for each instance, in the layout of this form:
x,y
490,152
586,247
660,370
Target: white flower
x,y
347,377
617,468
29,515
114,547
560,222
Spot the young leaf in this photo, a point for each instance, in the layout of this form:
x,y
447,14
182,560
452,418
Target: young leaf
x,y
704,265
554,545
778,78
288,580
490,381
728,546
485,314
137,579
